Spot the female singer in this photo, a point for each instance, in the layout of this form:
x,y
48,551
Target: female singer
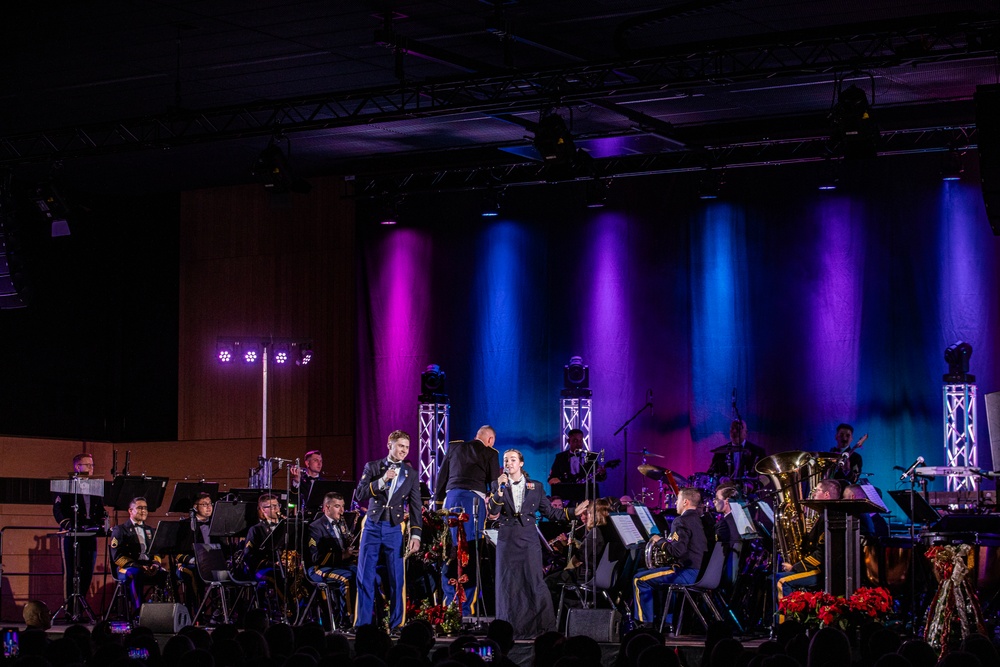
x,y
522,598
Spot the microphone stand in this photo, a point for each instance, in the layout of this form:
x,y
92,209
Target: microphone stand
x,y
477,614
624,427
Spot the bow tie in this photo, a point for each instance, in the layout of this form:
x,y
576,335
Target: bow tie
x,y
518,481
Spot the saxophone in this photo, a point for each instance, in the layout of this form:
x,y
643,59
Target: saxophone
x,y
788,470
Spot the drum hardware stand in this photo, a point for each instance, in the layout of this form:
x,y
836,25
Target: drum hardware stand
x,y
624,427
76,604
913,548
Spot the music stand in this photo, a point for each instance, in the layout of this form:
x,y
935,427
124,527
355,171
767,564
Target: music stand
x,y
186,492
646,519
232,518
249,495
76,486
922,512
842,542
570,492
314,501
165,538
124,489
627,527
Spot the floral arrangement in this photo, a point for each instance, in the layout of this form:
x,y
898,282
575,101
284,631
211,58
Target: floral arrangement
x,y
434,545
816,609
447,620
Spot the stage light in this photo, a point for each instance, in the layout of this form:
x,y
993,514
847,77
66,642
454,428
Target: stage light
x,y
225,351
829,177
251,352
305,354
952,165
491,203
575,374
597,192
281,353
53,207
553,140
272,168
387,210
853,124
710,186
957,356
432,385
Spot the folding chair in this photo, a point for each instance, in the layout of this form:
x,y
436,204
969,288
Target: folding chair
x,y
604,580
701,589
214,571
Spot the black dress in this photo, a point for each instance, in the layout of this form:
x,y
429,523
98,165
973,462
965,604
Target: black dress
x,y
522,597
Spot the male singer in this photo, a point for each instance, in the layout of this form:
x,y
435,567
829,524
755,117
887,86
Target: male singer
x,y
89,517
463,480
391,487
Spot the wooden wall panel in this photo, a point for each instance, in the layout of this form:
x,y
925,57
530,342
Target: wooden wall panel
x,y
247,268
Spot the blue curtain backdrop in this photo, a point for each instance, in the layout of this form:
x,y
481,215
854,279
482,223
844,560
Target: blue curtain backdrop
x,y
817,308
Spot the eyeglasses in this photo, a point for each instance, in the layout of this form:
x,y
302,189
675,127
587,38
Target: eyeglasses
x,y
141,508
203,504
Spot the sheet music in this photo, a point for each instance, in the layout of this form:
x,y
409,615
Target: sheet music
x,y
744,522
627,530
646,517
766,509
872,495
85,486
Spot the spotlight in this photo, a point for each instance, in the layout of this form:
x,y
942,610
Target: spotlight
x,y
225,351
957,356
432,385
281,353
553,140
952,165
710,186
597,192
829,177
305,354
491,203
273,169
576,379
853,124
387,210
53,207
251,352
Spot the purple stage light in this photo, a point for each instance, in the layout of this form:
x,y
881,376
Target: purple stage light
x,y
225,356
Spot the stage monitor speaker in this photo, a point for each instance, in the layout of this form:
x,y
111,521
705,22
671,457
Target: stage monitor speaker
x,y
987,100
993,423
164,617
599,624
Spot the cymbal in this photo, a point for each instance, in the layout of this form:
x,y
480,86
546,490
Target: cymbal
x,y
658,473
649,454
728,447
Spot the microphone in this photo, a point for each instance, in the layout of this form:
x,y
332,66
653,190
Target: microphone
x,y
909,471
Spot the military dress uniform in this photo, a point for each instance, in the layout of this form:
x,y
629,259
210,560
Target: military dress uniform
x,y
130,545
686,548
382,535
329,543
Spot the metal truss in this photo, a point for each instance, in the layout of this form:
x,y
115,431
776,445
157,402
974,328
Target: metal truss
x,y
960,434
871,46
433,441
730,155
575,413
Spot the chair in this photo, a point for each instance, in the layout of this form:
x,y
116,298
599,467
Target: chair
x,y
702,589
214,571
121,597
319,588
604,580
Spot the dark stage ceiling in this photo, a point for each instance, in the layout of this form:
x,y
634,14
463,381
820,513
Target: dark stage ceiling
x,y
140,96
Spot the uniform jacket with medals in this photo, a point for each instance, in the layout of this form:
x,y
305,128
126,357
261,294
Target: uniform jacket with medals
x,y
406,497
125,546
534,500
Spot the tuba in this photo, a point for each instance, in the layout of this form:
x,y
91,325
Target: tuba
x,y
788,470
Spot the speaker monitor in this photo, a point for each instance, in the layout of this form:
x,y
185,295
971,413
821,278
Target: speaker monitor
x,y
164,617
993,423
987,100
599,624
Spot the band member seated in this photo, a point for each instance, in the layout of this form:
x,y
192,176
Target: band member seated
x,y
392,489
569,467
193,531
331,559
741,456
259,550
303,478
873,526
727,534
579,568
808,573
130,542
685,550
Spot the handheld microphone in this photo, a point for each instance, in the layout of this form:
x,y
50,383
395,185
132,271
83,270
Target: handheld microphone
x,y
909,471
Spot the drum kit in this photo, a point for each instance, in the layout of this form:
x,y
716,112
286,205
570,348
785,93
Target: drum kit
x,y
670,481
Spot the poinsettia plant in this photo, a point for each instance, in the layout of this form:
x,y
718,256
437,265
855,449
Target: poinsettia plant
x,y
818,609
446,619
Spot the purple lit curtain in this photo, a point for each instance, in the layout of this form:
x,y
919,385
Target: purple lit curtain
x,y
816,308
